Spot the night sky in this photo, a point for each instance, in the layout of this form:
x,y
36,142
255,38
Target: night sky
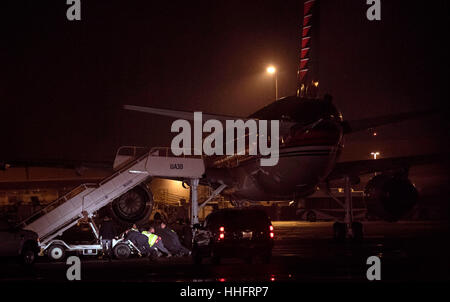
x,y
63,83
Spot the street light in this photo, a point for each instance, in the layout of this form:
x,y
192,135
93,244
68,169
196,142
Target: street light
x,y
375,154
273,70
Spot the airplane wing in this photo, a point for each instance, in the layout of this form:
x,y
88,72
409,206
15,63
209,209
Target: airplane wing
x,y
349,126
361,167
80,165
186,115
363,124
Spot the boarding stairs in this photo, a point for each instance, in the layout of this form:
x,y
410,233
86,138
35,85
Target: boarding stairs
x,y
85,199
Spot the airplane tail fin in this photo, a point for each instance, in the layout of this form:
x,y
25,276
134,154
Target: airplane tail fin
x,y
307,73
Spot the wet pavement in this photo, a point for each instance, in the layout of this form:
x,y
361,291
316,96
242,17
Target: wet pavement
x,y
303,251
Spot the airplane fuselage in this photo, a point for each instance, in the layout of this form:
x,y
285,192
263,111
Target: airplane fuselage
x,y
311,137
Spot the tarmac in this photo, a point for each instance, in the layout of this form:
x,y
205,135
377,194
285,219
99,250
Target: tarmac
x,y
303,252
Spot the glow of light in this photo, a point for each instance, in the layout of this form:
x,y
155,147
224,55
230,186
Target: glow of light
x,y
375,154
271,69
374,134
221,235
137,172
316,84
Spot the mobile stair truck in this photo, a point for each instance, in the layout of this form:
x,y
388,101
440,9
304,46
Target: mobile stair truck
x,y
83,201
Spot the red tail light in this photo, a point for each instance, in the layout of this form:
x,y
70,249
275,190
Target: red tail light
x,y
222,233
272,234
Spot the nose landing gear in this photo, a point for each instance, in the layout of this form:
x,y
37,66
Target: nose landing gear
x,y
348,229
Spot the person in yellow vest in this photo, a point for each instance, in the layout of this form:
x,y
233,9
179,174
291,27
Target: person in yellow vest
x,y
155,241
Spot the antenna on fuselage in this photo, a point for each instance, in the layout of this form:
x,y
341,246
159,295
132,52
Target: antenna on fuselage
x,y
308,84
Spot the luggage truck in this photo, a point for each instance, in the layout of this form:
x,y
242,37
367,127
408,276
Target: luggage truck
x,y
85,200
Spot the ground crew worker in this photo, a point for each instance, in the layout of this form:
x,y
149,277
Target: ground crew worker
x,y
107,234
171,240
182,211
139,240
155,241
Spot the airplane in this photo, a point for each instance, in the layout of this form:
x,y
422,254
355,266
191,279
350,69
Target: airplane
x,y
311,141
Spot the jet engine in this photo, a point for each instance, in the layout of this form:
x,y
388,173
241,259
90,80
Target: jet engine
x,y
135,206
390,197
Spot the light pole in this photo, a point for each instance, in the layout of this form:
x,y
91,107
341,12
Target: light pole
x,y
273,70
375,154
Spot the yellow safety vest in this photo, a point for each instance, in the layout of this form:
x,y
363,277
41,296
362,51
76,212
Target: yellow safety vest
x,y
151,237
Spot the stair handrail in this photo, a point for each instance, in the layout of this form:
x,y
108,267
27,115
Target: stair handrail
x,y
56,202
